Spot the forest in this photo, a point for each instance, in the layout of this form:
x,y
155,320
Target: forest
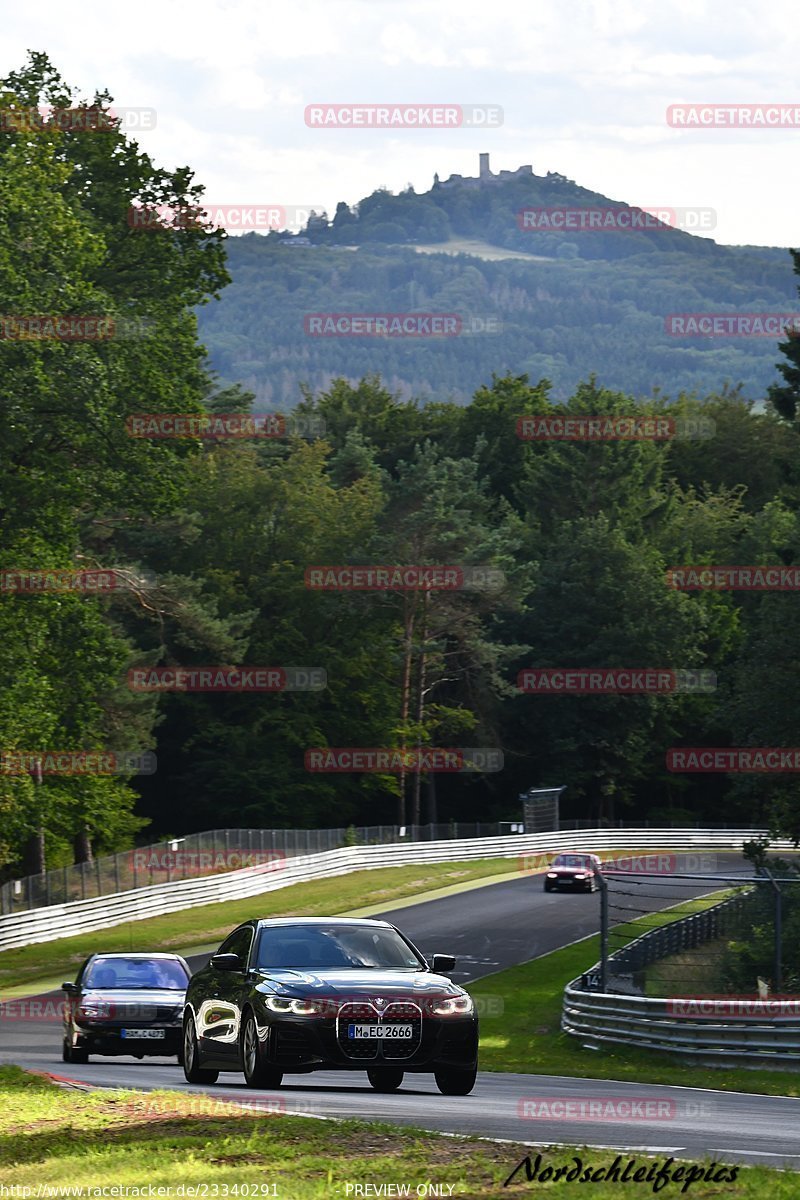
x,y
211,540
559,318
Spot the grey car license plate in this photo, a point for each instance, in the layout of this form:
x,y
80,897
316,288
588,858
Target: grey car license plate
x,y
394,1032
142,1033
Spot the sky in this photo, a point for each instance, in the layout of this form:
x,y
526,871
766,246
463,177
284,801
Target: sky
x,y
584,87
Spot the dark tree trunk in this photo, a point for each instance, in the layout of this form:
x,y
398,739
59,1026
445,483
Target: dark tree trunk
x,y
34,854
82,846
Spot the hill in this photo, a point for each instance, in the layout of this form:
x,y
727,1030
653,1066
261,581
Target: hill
x,y
554,304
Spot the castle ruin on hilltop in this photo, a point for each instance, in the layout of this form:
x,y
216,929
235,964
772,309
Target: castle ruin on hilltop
x,y
484,177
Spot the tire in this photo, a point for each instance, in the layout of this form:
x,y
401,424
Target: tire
x,y
385,1079
192,1070
547,887
257,1073
71,1055
455,1081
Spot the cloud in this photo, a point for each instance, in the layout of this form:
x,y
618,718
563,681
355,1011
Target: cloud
x,y
585,87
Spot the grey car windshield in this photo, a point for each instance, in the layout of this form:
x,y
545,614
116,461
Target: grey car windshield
x,y
136,973
582,862
318,947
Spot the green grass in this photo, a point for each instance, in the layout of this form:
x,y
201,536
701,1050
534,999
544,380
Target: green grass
x,y
210,923
51,1137
690,973
526,1035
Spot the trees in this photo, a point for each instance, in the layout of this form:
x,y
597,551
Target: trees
x,y
784,397
70,475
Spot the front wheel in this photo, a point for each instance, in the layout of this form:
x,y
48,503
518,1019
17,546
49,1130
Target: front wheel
x,y
385,1079
257,1073
69,1054
455,1081
192,1070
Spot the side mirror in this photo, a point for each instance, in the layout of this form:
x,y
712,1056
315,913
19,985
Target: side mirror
x,y
226,962
70,988
442,963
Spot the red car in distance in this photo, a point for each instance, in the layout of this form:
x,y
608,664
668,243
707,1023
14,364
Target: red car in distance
x,y
573,872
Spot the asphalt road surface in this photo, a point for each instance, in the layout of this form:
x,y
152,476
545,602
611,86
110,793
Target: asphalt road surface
x,y
488,929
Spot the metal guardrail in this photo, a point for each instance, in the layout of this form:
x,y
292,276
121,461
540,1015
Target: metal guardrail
x,y
712,1028
723,1030
209,853
218,850
82,916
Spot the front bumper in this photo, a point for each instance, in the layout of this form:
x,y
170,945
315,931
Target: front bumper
x,y
314,1043
101,1039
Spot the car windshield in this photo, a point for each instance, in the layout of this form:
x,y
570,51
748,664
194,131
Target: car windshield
x,y
324,946
136,973
572,860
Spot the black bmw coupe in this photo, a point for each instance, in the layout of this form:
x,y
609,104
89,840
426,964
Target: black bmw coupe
x,y
301,994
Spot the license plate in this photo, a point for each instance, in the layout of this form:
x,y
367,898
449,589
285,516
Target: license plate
x,y
142,1033
394,1032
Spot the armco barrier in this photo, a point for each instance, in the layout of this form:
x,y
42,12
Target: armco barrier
x,y
769,1033
214,851
83,916
727,1030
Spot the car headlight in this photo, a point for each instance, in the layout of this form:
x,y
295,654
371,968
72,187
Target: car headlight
x,y
93,1010
552,874
580,876
454,1006
285,1004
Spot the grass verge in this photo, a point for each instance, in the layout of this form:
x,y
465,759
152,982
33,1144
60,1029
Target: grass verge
x,y
211,922
55,1138
523,1032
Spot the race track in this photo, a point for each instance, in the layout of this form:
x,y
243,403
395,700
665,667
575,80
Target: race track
x,y
488,928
